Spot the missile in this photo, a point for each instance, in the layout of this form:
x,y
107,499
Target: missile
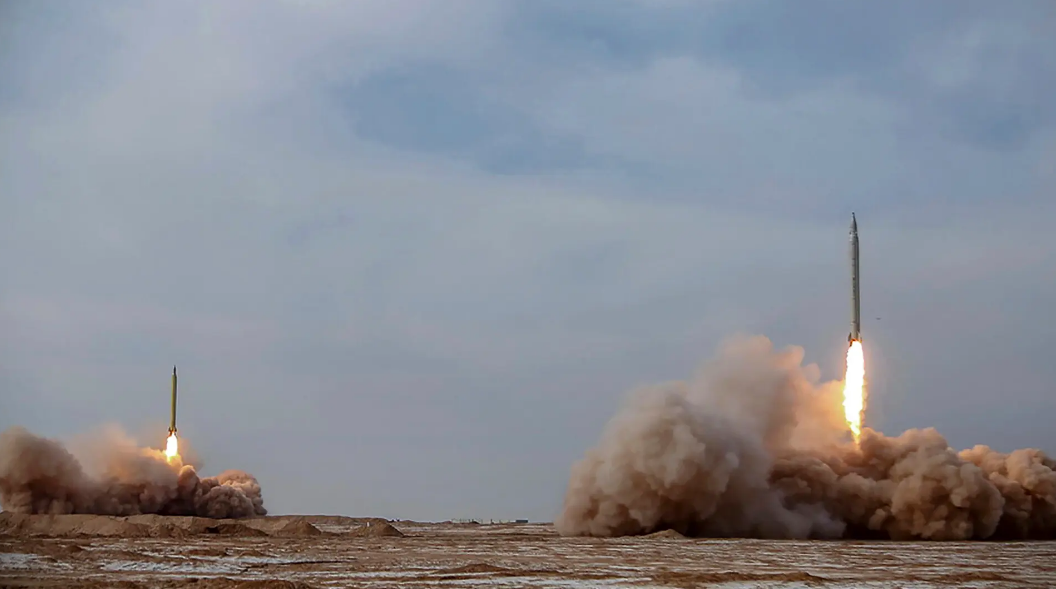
x,y
856,295
172,423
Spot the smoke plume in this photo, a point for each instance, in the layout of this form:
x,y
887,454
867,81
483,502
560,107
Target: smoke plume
x,y
755,446
113,476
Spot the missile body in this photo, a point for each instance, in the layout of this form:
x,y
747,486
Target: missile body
x,y
172,423
856,297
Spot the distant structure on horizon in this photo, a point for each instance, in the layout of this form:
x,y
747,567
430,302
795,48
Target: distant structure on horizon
x,y
480,521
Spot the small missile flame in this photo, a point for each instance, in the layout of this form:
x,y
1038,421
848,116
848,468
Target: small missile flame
x,y
854,388
172,447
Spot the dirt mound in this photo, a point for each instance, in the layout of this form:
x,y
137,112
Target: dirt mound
x,y
167,526
189,526
233,529
138,526
19,524
299,528
329,520
268,525
168,531
108,527
272,524
376,529
162,526
665,534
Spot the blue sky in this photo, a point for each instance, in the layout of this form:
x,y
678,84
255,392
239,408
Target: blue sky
x,y
411,256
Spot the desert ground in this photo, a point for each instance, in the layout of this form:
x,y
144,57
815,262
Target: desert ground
x,y
300,552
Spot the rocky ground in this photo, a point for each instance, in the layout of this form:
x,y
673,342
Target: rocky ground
x,y
296,552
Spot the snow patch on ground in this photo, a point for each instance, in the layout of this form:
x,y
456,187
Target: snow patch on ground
x,y
17,561
184,566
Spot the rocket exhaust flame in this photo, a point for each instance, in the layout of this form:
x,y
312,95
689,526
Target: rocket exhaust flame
x,y
172,447
854,389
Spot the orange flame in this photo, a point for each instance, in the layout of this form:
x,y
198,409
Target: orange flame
x,y
854,389
172,447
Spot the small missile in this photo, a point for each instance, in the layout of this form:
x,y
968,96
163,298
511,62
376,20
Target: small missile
x,y
856,297
172,423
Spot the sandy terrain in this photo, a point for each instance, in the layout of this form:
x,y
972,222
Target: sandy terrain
x,y
319,551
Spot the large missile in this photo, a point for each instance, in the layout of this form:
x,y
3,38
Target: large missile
x,y
856,295
172,423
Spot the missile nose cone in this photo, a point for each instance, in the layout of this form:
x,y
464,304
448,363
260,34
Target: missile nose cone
x,y
854,224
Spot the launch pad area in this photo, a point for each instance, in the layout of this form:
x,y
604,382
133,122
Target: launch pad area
x,y
82,552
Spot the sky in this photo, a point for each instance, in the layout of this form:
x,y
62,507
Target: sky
x,y
410,257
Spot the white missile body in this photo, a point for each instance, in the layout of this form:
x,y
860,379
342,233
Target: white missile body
x,y
172,422
856,295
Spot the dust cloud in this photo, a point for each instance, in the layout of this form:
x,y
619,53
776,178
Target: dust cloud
x,y
755,446
108,474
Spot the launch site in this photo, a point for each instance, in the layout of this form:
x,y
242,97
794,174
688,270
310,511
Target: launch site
x,y
523,293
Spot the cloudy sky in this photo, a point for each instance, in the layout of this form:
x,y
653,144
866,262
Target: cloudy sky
x,y
410,256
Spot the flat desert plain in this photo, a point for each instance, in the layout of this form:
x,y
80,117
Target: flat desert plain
x,y
326,551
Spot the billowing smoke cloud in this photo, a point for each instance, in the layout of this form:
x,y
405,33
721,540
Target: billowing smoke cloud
x,y
755,446
114,477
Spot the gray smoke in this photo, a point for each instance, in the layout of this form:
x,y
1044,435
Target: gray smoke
x,y
113,476
755,446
